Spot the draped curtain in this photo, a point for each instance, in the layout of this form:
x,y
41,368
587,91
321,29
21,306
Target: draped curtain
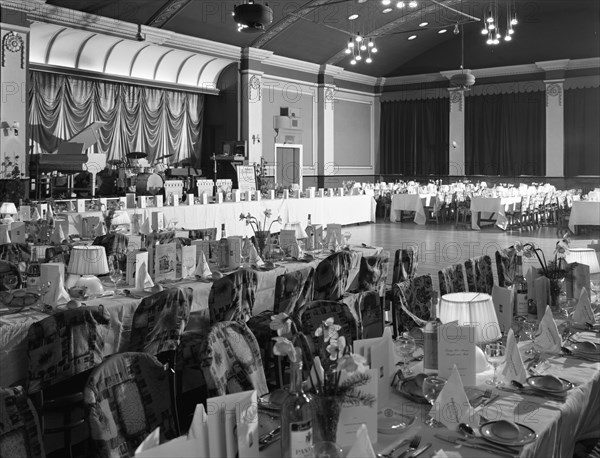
x,y
582,136
138,118
414,137
505,134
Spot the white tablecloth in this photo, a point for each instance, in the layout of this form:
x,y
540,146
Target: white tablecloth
x,y
484,206
323,210
584,213
410,202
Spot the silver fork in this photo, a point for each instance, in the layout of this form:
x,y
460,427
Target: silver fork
x,y
414,444
487,394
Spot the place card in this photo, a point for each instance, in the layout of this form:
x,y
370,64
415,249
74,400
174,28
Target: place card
x,y
157,221
541,289
142,201
456,347
257,195
235,251
452,406
135,259
18,232
249,193
577,279
175,199
190,199
503,304
341,192
287,238
236,195
353,416
311,193
165,262
188,261
81,205
377,353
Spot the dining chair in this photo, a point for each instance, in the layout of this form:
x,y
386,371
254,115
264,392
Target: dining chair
x,y
125,400
115,244
10,269
15,252
62,349
479,274
415,296
506,266
331,276
20,432
232,297
452,279
367,309
373,273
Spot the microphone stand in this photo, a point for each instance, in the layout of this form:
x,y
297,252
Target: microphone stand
x,y
214,158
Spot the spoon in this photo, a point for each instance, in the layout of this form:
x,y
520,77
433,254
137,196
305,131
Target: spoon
x,y
466,430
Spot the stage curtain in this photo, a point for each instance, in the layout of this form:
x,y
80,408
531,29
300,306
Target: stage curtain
x,y
414,137
582,137
505,134
138,118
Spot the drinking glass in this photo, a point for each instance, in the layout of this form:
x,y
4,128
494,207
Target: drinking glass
x,y
529,328
495,354
347,236
405,346
115,275
432,387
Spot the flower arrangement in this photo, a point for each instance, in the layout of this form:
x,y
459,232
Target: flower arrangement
x,y
557,268
256,225
325,378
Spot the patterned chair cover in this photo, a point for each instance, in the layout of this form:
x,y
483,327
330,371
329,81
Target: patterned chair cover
x,y
331,276
416,296
9,268
452,279
209,233
373,273
159,321
115,244
15,252
479,274
58,253
366,308
125,399
506,265
65,344
231,298
228,357
318,311
406,261
20,434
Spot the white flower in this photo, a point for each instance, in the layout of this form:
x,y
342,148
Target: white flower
x,y
328,329
336,347
281,323
283,347
352,363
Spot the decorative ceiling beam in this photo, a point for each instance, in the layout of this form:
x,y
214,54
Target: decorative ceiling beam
x,y
167,12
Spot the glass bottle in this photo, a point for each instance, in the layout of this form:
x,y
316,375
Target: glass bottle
x,y
520,289
297,418
430,346
223,249
33,269
310,235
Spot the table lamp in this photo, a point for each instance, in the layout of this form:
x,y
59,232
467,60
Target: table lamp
x,y
88,261
297,228
585,256
7,210
475,309
121,218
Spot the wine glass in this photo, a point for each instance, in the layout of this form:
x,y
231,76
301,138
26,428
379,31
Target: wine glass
x,y
432,387
495,354
347,236
405,346
529,328
115,275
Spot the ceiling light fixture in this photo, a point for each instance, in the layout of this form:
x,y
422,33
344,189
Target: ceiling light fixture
x,y
252,17
387,10
491,24
412,37
400,5
463,80
352,17
386,2
412,4
443,31
362,50
423,24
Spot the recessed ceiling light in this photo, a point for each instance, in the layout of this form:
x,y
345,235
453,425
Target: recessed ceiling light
x,y
412,37
353,16
386,2
387,10
442,31
423,24
400,5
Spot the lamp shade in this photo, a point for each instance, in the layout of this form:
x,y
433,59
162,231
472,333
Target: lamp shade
x,y
88,260
8,208
475,309
121,217
585,256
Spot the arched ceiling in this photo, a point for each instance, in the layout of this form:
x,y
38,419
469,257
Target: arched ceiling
x,y
317,30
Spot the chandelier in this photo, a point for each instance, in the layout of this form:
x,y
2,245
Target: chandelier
x,y
252,17
492,26
361,48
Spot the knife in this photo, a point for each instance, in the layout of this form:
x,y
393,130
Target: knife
x,y
419,451
490,448
481,441
530,392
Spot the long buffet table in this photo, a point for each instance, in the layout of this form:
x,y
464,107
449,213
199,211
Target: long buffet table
x,y
323,210
584,213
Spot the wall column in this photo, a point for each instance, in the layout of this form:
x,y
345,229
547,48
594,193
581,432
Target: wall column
x,y
456,145
555,128
325,122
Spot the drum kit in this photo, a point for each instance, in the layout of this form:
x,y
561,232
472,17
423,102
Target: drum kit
x,y
137,175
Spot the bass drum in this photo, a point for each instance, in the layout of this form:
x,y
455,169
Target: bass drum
x,y
148,183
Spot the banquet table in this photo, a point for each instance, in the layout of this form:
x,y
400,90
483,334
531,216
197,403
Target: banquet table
x,y
323,210
14,327
410,202
584,213
483,207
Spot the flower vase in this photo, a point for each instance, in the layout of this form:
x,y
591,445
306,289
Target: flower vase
x,y
327,415
260,241
556,287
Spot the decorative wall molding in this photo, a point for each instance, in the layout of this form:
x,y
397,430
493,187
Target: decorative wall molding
x,y
554,88
13,42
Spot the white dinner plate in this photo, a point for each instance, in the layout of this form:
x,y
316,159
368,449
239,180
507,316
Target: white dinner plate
x,y
539,383
390,421
526,435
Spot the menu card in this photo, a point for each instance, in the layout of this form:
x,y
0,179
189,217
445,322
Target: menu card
x,y
334,229
188,261
352,416
165,262
456,347
503,303
135,259
287,238
578,279
377,353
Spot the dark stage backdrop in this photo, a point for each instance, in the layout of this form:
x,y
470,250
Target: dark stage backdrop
x,y
582,134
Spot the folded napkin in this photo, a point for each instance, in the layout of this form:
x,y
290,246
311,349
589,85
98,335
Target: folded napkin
x,y
362,447
514,369
145,227
254,258
143,279
532,275
583,310
452,405
151,441
202,268
35,215
58,235
198,431
549,339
